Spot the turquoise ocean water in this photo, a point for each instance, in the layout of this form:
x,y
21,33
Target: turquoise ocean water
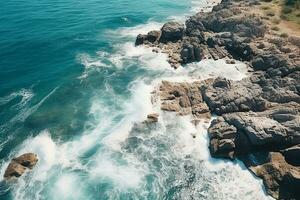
x,y
72,86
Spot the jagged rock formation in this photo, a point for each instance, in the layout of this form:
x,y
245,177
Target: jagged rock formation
x,y
19,165
183,98
258,117
228,31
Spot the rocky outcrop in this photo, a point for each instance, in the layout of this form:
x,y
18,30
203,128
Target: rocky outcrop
x,y
254,131
225,96
258,118
183,98
19,165
281,179
259,115
292,155
228,31
172,32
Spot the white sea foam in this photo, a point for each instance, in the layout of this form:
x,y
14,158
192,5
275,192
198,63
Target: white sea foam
x,y
203,6
123,176
135,110
88,62
24,110
132,32
25,94
47,153
67,187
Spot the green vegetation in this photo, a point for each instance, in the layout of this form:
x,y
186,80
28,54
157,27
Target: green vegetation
x,y
291,10
284,35
275,20
265,7
275,28
270,13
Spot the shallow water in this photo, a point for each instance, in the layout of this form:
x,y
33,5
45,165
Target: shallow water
x,y
73,88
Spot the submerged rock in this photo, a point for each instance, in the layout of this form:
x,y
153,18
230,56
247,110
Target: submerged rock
x,y
18,166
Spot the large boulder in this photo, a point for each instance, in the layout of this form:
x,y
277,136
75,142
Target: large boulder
x,y
18,166
183,98
282,180
241,133
171,32
222,139
230,19
292,155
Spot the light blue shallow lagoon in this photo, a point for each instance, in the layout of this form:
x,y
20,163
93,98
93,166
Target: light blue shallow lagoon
x,y
74,90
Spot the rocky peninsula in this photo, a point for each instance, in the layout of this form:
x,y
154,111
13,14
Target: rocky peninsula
x,y
259,116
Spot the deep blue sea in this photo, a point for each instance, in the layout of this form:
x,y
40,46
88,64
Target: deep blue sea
x,y
74,89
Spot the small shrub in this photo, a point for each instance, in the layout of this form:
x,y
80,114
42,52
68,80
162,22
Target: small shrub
x,y
284,35
270,13
287,10
265,18
283,17
275,28
265,7
275,21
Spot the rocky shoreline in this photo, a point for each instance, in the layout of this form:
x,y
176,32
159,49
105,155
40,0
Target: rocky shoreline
x,y
259,116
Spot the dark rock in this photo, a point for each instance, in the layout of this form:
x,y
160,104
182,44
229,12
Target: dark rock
x,y
292,155
171,32
151,37
281,179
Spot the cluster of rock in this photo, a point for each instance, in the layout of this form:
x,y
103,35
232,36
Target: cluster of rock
x,y
229,31
258,117
19,165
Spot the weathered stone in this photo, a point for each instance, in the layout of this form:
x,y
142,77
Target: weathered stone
x,y
292,155
18,166
281,179
258,114
151,37
152,118
172,31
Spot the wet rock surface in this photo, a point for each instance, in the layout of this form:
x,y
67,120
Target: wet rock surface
x,y
259,116
19,165
152,118
184,99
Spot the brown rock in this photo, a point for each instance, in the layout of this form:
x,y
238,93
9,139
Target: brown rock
x,y
170,106
152,118
18,166
281,179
